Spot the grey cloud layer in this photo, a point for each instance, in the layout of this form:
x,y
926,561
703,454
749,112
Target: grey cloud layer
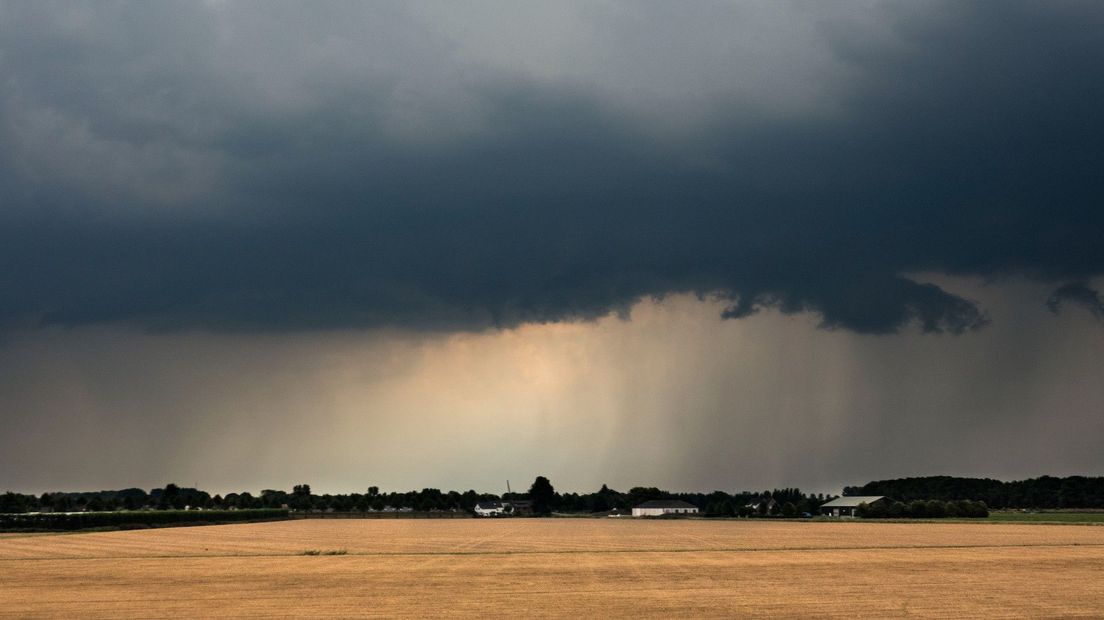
x,y
288,167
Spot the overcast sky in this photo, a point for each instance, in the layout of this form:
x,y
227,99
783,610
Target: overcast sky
x,y
714,245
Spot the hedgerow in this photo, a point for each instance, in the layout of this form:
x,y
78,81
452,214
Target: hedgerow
x,y
133,518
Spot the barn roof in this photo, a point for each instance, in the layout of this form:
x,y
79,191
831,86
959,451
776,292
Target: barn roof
x,y
852,501
666,503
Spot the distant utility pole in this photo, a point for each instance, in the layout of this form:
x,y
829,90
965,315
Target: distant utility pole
x,y
508,487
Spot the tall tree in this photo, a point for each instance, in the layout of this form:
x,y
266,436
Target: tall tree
x,y
542,495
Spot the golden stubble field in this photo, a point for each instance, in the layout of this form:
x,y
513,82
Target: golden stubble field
x,y
560,567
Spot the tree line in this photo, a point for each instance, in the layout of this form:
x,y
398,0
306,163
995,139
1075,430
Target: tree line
x,y
543,496
1045,492
921,509
788,502
1042,492
133,519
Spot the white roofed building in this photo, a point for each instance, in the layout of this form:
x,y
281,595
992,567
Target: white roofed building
x,y
491,509
847,506
661,507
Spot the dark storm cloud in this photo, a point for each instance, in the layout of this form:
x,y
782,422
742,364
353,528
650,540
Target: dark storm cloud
x,y
148,176
1080,294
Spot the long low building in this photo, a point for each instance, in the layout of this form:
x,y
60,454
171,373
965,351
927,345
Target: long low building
x,y
660,507
847,506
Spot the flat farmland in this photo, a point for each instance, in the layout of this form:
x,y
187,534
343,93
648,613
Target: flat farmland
x,y
560,567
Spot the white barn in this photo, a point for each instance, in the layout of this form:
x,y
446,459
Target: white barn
x,y
491,509
660,507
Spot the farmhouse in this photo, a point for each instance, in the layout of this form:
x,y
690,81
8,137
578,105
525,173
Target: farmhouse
x,y
847,506
660,507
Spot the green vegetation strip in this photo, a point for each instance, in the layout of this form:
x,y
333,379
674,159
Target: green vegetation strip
x,y
1048,517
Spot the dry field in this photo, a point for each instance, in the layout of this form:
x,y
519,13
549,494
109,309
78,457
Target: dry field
x,y
561,567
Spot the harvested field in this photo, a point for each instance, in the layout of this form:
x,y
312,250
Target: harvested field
x,y
560,567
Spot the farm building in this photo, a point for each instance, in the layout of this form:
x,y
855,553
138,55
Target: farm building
x,y
520,507
764,505
846,506
513,507
491,509
660,507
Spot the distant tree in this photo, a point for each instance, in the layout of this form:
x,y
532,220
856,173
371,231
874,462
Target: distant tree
x,y
789,510
14,502
717,503
272,498
301,498
57,502
936,509
542,495
608,499
169,497
975,510
373,491
196,498
895,510
429,499
639,495
599,503
953,509
715,509
979,510
917,509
